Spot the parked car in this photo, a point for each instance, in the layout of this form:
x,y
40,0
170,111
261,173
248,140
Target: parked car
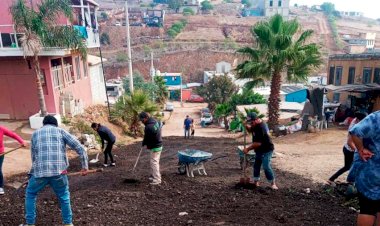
x,y
204,110
206,119
169,107
195,99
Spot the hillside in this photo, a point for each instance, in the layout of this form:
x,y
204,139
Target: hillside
x,y
207,39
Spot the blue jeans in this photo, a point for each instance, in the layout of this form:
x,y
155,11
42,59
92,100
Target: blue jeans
x,y
60,185
187,133
263,159
1,172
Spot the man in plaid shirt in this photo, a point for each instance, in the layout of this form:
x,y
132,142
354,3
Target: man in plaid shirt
x,y
49,167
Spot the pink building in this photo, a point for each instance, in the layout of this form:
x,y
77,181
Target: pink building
x,y
65,75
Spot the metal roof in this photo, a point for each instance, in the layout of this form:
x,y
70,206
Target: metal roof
x,y
292,89
354,88
374,55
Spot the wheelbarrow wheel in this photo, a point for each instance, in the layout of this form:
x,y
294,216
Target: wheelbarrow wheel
x,y
182,168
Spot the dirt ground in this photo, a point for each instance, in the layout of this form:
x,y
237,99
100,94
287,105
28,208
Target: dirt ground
x,y
302,161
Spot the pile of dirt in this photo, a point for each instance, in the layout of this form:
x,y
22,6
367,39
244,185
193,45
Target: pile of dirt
x,y
103,199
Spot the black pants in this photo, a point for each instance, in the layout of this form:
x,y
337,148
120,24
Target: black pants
x,y
108,152
348,159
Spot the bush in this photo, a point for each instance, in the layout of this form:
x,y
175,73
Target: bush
x,y
188,11
206,6
176,28
122,57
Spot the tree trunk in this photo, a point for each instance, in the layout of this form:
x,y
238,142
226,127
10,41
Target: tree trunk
x,y
40,92
225,123
274,100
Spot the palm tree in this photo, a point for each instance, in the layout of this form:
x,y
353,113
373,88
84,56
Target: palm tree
x,y
127,108
223,111
281,48
40,29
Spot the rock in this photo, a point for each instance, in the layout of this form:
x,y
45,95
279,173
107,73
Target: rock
x,y
183,214
189,222
90,206
307,190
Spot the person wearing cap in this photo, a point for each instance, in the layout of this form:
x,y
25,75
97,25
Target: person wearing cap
x,y
348,150
187,126
105,134
49,167
153,142
6,132
366,138
263,147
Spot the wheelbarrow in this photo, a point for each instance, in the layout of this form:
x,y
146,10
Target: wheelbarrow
x,y
250,156
190,160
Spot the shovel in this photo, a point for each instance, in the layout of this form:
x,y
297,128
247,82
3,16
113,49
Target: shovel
x,y
18,185
244,179
133,179
95,160
5,153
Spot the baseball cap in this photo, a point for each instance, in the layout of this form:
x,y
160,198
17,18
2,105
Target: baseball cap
x,y
251,116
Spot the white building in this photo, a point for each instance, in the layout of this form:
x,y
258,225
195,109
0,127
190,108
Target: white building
x,y
223,67
98,89
273,7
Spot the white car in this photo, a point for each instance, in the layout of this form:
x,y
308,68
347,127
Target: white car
x,y
206,118
169,107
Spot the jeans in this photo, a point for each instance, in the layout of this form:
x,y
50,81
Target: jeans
x,y
1,172
108,152
187,133
263,159
60,185
348,159
155,166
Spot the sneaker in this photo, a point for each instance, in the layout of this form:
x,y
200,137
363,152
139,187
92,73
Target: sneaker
x,y
113,164
105,165
155,183
274,187
1,191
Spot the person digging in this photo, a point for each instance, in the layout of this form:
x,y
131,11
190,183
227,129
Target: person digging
x,y
105,135
49,167
263,147
153,142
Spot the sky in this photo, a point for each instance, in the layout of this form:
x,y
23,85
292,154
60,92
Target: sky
x,y
370,8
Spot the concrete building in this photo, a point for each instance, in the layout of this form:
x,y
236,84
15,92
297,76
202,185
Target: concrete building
x,y
98,90
223,67
64,74
350,14
359,43
273,7
346,69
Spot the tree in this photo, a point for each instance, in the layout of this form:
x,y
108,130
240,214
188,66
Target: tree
x,y
39,28
223,111
105,39
247,97
282,48
161,93
328,8
139,82
206,6
104,16
218,90
175,4
121,57
128,107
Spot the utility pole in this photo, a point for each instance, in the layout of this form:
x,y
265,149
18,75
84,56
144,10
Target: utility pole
x,y
129,48
152,70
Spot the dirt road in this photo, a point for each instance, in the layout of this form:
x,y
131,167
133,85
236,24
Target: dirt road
x,y
174,126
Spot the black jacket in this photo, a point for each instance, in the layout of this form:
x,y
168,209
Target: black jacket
x,y
106,134
152,134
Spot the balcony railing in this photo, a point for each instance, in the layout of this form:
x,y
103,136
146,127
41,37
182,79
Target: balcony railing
x,y
8,37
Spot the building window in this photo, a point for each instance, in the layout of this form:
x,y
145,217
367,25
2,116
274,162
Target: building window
x,y
331,75
336,97
77,67
351,75
376,76
367,72
338,76
279,3
271,3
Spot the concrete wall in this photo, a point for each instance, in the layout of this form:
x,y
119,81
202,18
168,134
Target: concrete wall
x,y
97,85
276,9
223,67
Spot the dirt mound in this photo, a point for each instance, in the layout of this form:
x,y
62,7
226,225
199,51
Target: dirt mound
x,y
103,199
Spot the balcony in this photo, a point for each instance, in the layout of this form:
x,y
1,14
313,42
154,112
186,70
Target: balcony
x,y
85,21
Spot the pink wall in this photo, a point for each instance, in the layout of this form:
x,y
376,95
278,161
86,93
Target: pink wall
x,y
18,90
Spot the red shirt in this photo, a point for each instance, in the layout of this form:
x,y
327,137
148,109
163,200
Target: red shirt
x,y
8,133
